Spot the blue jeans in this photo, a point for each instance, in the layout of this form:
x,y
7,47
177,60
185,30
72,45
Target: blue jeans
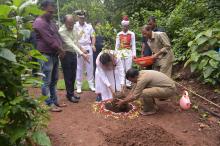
x,y
50,69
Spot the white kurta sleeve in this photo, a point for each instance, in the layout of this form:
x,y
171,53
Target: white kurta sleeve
x,y
120,69
117,43
102,72
133,44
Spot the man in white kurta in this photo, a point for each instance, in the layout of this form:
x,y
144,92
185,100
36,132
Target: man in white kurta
x,y
109,81
125,43
86,41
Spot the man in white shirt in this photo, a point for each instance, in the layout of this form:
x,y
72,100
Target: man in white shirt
x,y
69,62
125,43
86,41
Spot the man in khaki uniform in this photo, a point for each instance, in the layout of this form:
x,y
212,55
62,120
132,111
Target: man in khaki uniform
x,y
149,84
161,49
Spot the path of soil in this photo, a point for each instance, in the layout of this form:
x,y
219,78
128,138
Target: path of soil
x,y
78,125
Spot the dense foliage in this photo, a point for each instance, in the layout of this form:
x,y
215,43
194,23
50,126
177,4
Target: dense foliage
x,y
183,21
22,117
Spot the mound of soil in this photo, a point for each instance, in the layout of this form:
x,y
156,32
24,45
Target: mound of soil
x,y
112,106
142,136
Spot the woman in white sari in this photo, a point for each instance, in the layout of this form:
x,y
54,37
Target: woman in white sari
x,y
109,76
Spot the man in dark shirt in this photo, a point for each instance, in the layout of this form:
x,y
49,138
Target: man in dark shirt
x,y
49,44
99,44
146,51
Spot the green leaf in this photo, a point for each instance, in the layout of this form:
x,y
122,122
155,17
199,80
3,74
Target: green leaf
x,y
212,54
17,3
26,33
4,140
193,67
199,35
41,138
16,100
208,33
32,9
201,40
214,63
8,21
213,41
190,43
194,56
42,98
36,54
203,63
207,71
7,54
16,133
4,11
2,94
187,62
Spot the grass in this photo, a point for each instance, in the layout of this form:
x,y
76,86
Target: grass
x,y
61,85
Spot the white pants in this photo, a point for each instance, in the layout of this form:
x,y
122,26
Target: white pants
x,y
89,69
101,88
127,64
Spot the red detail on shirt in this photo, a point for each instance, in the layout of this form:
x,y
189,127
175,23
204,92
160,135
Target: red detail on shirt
x,y
125,41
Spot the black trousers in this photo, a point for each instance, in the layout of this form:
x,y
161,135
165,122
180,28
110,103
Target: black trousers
x,y
69,65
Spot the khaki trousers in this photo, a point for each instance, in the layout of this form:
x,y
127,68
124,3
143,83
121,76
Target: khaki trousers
x,y
149,94
165,64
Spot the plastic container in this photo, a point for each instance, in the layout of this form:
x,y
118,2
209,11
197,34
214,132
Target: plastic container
x,y
144,61
185,101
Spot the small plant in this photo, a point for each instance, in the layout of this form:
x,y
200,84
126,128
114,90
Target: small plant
x,y
109,33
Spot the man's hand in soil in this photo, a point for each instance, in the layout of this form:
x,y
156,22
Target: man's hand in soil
x,y
86,57
120,102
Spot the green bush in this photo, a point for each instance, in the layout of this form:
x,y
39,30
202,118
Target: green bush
x,y
22,118
204,59
109,33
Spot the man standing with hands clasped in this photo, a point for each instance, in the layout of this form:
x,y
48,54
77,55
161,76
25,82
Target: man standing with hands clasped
x,y
49,43
69,62
86,41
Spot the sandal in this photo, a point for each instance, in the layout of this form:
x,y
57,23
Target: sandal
x,y
143,113
61,105
55,109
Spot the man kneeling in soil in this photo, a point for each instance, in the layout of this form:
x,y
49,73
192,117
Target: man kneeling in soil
x,y
149,84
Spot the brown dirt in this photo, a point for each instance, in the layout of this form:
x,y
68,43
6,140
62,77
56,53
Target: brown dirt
x,y
149,135
78,125
112,106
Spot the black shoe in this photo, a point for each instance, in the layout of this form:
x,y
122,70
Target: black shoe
x,y
73,99
77,97
99,98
